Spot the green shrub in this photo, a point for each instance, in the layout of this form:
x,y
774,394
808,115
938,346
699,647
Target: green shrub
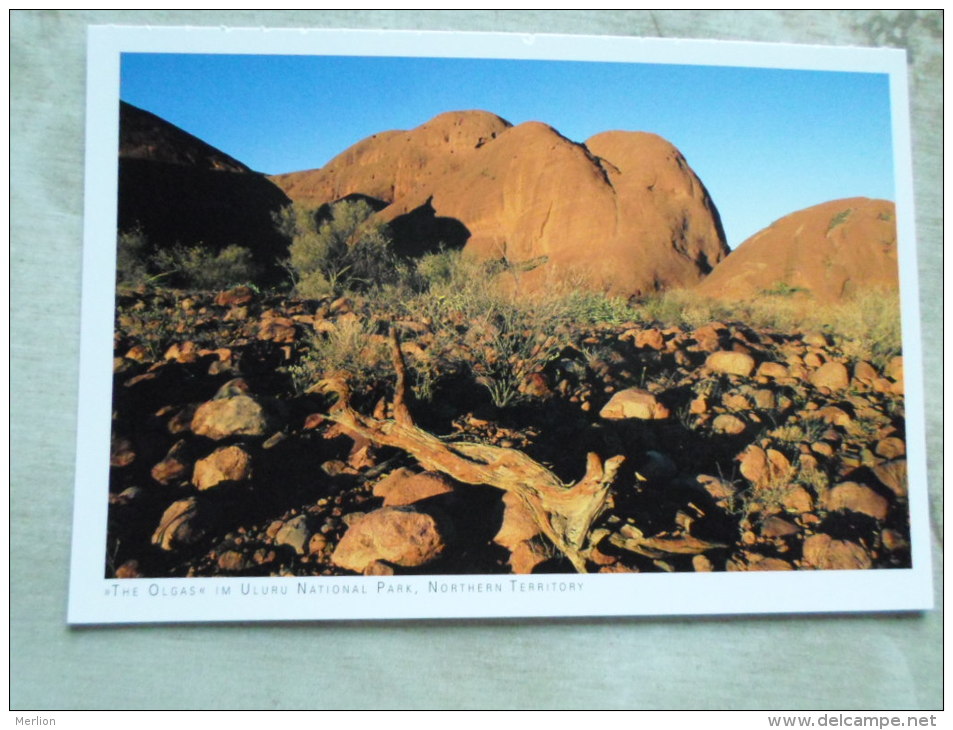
x,y
196,267
510,341
868,325
354,347
438,269
132,259
839,218
783,289
346,250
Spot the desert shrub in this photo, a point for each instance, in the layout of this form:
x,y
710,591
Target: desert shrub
x,y
197,267
155,321
782,289
509,342
868,325
354,348
838,218
575,303
438,269
336,250
665,308
865,326
132,257
479,326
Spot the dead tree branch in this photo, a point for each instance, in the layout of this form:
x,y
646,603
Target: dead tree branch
x,y
564,513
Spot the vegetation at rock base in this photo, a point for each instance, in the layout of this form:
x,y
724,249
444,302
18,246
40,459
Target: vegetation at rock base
x,y
189,267
337,248
720,471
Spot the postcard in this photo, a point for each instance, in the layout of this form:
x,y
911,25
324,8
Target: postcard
x,y
383,325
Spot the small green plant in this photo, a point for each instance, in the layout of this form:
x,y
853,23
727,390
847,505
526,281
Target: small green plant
x,y
197,267
838,219
132,259
153,324
508,343
587,307
783,289
815,479
353,348
338,248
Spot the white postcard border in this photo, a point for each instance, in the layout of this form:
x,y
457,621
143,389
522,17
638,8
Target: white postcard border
x,y
96,600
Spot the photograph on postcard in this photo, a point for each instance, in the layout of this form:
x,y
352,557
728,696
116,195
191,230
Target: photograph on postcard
x,y
413,316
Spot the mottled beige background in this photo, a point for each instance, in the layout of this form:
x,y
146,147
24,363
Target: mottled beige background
x,y
821,662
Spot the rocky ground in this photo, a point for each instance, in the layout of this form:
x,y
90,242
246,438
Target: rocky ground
x,y
745,449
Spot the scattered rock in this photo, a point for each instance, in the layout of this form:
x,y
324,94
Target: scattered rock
x,y
815,339
831,375
773,370
779,467
228,464
126,496
823,449
398,535
177,525
518,525
181,420
753,464
232,561
890,447
634,403
735,402
263,556
129,569
708,337
893,540
295,533
240,415
379,567
183,352
121,452
856,498
235,386
765,399
832,415
774,526
651,339
730,362
894,369
729,424
525,556
825,553
137,353
797,499
175,466
702,564
233,297
864,372
698,406
277,329
535,386
317,543
893,475
718,488
403,486
752,561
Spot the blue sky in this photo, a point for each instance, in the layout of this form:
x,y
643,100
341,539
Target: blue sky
x,y
764,142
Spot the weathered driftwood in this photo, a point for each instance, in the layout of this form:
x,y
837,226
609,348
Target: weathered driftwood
x,y
564,513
